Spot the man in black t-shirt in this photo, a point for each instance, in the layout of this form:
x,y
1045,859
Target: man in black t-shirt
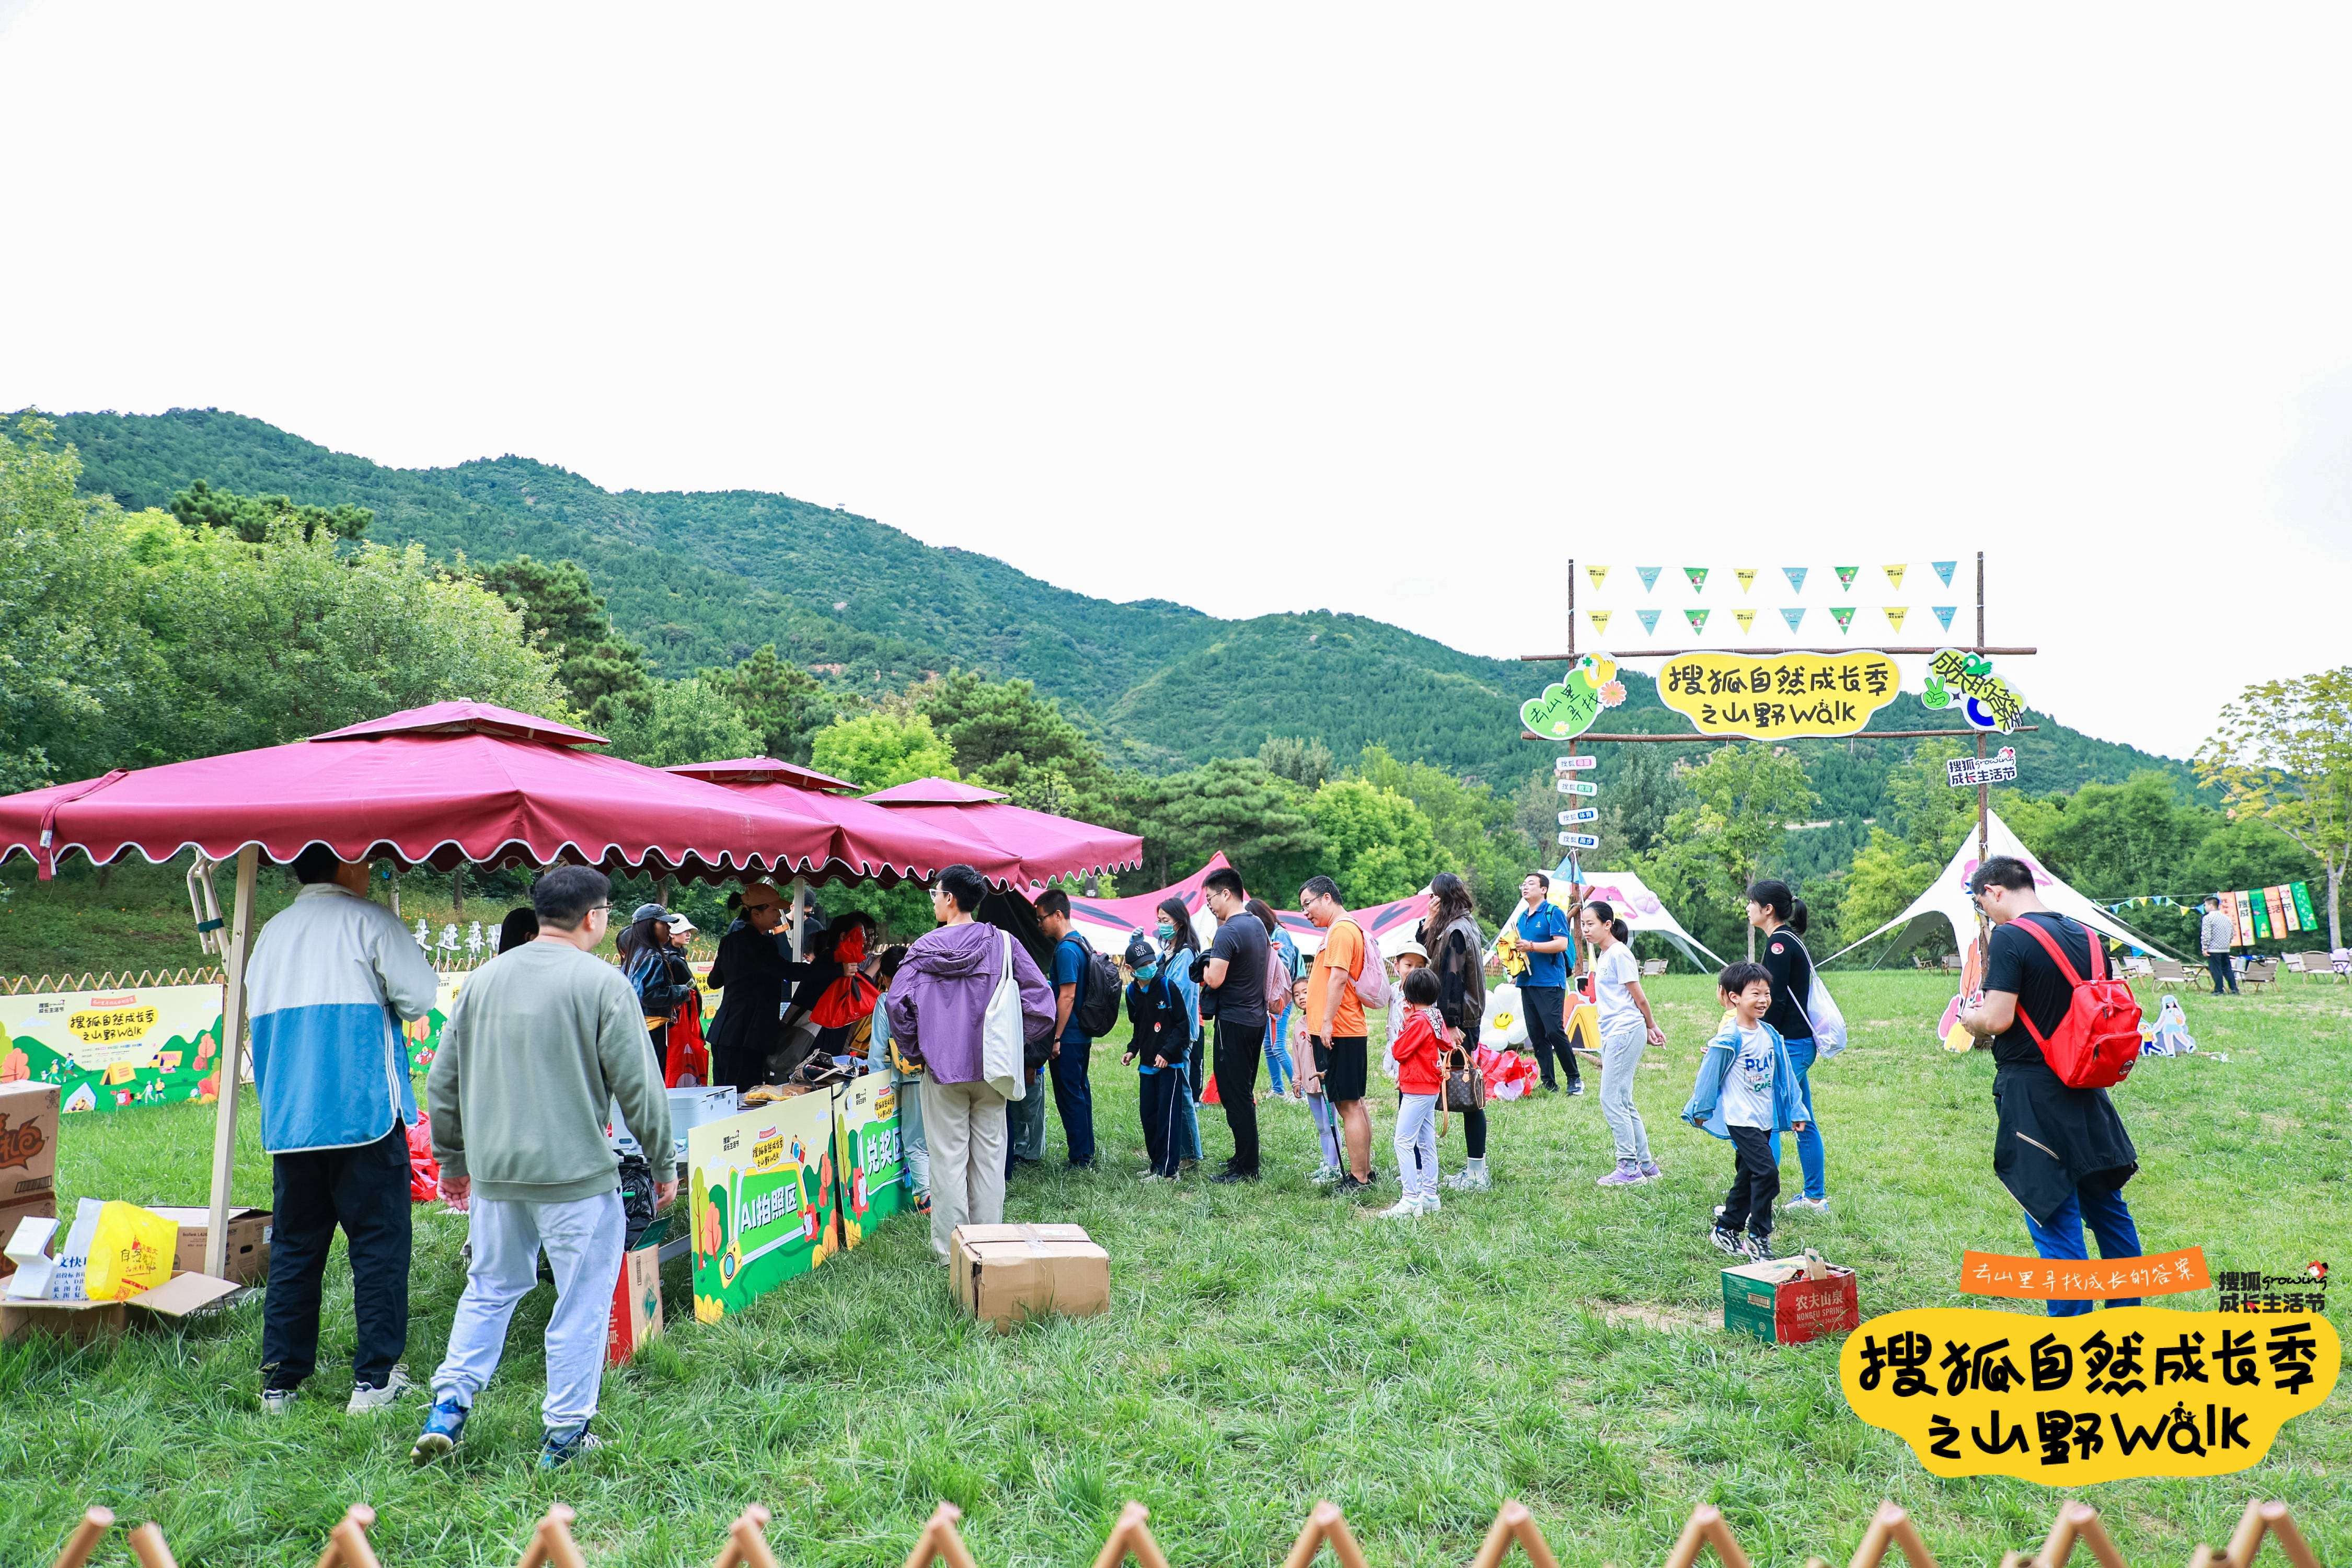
x,y
2062,1152
1234,971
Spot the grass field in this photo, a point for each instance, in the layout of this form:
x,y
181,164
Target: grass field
x,y
1266,1346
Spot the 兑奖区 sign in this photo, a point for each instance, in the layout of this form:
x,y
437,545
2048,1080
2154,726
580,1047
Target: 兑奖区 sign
x,y
1780,697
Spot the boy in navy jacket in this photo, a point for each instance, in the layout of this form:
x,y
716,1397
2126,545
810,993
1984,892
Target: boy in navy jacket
x,y
1747,1091
1163,1030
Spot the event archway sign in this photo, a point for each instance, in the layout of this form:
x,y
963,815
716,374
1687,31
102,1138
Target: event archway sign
x,y
439,785
1976,655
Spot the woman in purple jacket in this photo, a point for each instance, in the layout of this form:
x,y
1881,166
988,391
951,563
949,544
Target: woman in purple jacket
x,y
936,1007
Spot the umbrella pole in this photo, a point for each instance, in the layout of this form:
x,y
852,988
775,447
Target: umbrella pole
x,y
800,918
232,1053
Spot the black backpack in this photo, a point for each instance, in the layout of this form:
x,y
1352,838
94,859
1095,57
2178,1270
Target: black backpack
x,y
1096,1012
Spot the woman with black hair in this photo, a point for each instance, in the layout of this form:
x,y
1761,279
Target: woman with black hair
x,y
1626,1026
1780,916
1177,937
1455,945
522,925
657,971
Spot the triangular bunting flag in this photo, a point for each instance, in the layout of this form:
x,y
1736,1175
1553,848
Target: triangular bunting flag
x,y
1600,621
1746,618
1845,576
1895,614
1792,617
1845,614
1944,613
1894,575
1698,619
1698,575
1796,575
1649,576
1944,570
1649,620
1747,574
1599,576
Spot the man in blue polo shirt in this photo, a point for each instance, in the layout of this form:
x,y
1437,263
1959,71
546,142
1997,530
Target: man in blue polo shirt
x,y
1541,927
1072,1096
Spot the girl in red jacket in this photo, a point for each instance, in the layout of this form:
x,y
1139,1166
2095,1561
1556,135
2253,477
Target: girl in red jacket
x,y
1421,1077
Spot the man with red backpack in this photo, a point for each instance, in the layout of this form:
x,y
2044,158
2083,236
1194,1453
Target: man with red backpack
x,y
2059,1148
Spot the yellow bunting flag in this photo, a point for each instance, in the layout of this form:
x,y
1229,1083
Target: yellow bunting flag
x,y
1895,614
1893,576
1599,575
1747,574
1746,618
1600,619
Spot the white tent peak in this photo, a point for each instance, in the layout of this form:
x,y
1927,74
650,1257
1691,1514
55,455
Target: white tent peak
x,y
1947,898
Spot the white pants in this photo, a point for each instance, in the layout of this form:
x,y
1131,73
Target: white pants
x,y
964,1125
583,1247
1621,1058
1416,1146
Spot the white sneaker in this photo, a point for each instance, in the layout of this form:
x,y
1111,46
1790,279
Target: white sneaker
x,y
366,1399
1432,1204
1806,1205
1470,1180
1403,1208
277,1401
1324,1176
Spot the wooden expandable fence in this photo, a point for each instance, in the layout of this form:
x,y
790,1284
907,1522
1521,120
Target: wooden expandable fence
x,y
551,1543
19,984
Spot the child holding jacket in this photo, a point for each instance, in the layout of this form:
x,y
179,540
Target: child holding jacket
x,y
1747,1091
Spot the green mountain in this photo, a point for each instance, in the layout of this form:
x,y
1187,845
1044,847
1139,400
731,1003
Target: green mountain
x,y
704,578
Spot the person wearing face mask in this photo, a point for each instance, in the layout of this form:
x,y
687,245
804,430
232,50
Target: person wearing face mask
x,y
1163,1034
751,974
1177,947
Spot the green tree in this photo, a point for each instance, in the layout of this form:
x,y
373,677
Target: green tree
x,y
1743,798
1636,802
1474,827
1002,730
1377,844
783,703
685,721
255,518
606,673
1306,764
875,751
2283,752
2117,841
1232,805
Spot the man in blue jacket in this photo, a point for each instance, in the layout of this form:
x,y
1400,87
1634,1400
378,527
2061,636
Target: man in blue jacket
x,y
331,979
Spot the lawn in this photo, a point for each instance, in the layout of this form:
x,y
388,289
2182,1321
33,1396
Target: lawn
x,y
1266,1345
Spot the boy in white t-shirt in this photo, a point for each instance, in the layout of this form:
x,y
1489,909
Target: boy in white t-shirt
x,y
1747,1091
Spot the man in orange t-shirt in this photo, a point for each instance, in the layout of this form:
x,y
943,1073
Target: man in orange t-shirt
x,y
1335,1026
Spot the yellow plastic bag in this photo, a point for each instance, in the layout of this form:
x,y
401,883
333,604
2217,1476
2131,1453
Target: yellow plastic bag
x,y
131,1252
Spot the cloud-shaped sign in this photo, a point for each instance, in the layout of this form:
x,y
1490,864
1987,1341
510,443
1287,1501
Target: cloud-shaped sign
x,y
1567,707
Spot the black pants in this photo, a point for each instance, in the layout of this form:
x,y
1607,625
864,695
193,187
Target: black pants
x,y
1755,1182
1240,1048
1473,1133
1542,1005
365,1191
1158,1091
2223,972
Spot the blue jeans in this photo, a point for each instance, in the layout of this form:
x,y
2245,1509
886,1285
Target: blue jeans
x,y
1024,1123
2063,1237
1808,1142
1074,1098
1277,1056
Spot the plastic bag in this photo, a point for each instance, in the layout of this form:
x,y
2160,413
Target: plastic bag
x,y
424,1170
131,1252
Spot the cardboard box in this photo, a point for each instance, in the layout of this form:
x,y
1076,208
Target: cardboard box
x,y
636,1300
40,1205
247,1262
28,1140
1789,1301
1004,1273
81,1321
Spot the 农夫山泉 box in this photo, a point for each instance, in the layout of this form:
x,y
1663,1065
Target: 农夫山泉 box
x,y
28,1140
1004,1273
1788,1300
636,1300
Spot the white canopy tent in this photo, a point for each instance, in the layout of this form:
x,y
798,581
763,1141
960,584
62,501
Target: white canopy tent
x,y
1946,899
1639,908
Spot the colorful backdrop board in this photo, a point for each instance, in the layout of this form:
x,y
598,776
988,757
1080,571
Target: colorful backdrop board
x,y
1569,705
424,1034
763,1201
866,1154
1963,685
1780,697
108,1049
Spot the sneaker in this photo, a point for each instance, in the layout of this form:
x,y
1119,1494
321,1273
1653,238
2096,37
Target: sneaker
x,y
564,1444
366,1397
277,1401
1727,1241
1627,1175
443,1424
1650,1171
1806,1205
1324,1176
1347,1186
1228,1178
1552,1088
1758,1248
1576,1088
1184,1166
1406,1207
1470,1180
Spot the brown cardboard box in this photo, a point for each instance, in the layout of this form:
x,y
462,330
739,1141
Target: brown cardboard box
x,y
28,1140
81,1321
248,1241
637,1302
40,1205
1004,1273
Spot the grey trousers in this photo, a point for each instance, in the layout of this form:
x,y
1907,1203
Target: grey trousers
x,y
1621,1058
963,1123
583,1248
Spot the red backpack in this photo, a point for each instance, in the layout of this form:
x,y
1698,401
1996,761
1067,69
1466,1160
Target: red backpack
x,y
2096,1043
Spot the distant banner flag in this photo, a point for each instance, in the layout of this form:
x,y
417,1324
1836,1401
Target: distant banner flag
x,y
1649,620
1796,575
1944,570
1649,576
1599,575
1894,575
1747,575
1945,613
1794,617
2241,915
1895,614
1845,576
1600,621
1845,614
1697,619
1698,575
2277,907
2303,915
1747,619
2262,909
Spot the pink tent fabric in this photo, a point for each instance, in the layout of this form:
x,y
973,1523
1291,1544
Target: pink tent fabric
x,y
454,781
1135,915
1390,925
1042,846
903,847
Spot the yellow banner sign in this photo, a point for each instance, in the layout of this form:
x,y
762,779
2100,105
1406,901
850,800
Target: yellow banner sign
x,y
1782,698
2131,1391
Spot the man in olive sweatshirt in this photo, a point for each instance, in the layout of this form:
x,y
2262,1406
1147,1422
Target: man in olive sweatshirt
x,y
539,1045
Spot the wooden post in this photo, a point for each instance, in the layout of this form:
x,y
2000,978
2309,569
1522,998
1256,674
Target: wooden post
x,y
92,1530
232,1058
747,1541
800,918
347,1543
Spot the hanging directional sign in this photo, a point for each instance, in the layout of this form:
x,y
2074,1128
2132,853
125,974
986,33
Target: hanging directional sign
x,y
1579,841
1570,765
1575,787
1587,815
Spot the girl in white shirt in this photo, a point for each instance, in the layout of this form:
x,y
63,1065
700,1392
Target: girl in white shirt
x,y
1627,1027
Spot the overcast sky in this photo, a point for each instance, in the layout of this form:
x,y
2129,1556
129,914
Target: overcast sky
x,y
1263,307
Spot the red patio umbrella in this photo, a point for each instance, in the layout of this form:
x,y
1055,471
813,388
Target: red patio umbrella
x,y
1044,845
901,846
